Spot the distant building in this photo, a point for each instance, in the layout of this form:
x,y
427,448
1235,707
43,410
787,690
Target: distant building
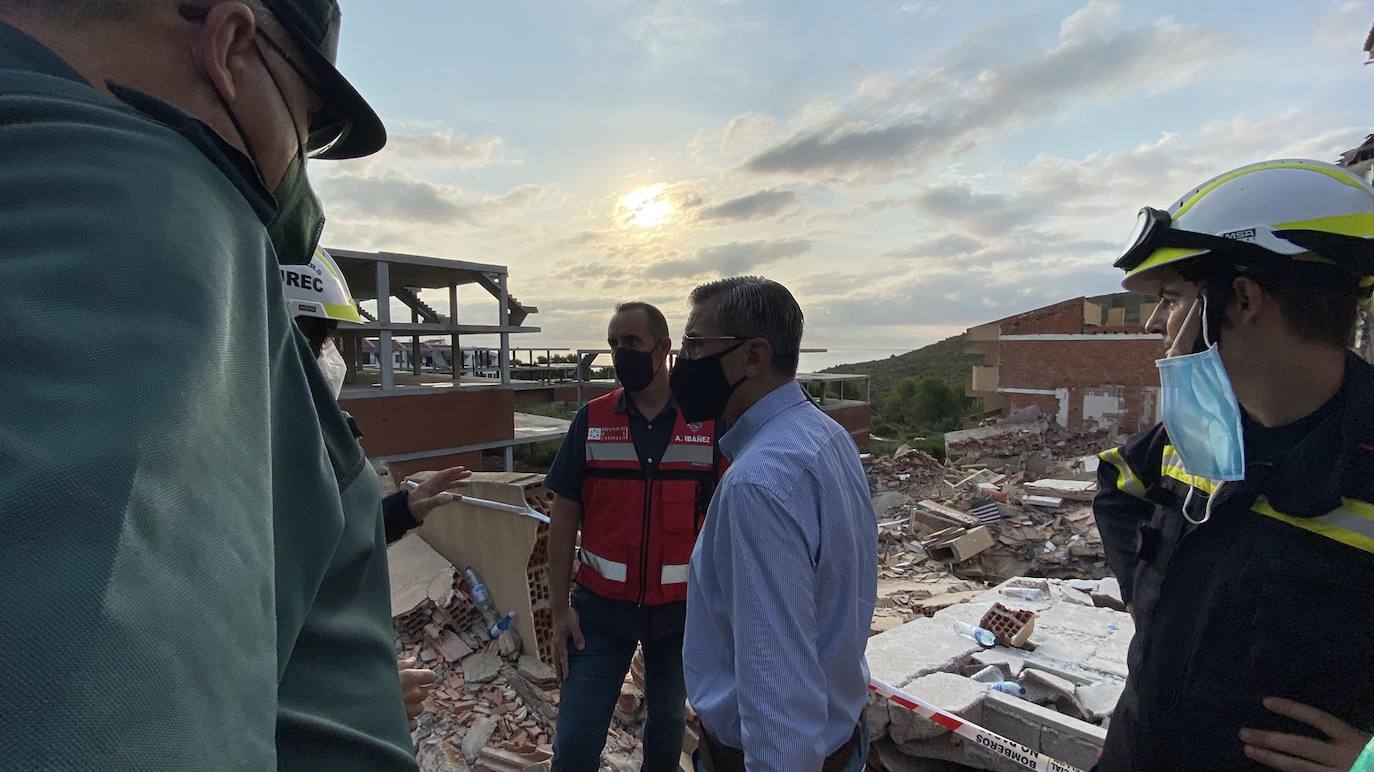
x,y
1082,362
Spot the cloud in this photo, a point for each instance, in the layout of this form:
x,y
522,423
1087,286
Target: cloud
x,y
443,148
948,245
670,24
403,198
728,259
743,134
1345,27
755,206
937,114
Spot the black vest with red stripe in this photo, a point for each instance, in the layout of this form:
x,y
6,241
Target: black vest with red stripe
x,y
638,530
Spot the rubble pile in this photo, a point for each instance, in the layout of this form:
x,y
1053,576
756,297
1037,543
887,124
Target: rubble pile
x,y
986,522
494,707
1048,676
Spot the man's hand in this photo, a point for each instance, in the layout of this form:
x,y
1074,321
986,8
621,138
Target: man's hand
x,y
434,492
415,687
1296,753
566,624
1186,339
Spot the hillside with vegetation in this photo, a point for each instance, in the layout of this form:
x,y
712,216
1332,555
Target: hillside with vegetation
x,y
945,359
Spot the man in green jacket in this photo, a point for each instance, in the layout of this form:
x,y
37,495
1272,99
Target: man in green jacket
x,y
191,549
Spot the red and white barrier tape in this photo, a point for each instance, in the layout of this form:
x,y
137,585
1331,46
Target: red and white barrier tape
x,y
993,743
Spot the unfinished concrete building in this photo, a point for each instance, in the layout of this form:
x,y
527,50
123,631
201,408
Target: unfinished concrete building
x,y
1082,363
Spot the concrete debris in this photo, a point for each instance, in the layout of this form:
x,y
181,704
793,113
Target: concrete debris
x,y
494,710
1058,538
1077,670
537,672
477,736
481,668
1047,688
1077,490
955,545
1107,594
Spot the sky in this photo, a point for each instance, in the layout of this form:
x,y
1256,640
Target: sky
x,y
908,168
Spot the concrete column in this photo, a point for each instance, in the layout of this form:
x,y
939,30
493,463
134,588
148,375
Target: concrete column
x,y
504,316
384,318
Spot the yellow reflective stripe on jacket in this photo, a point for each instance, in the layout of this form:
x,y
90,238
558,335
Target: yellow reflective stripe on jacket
x,y
1351,524
1126,479
1172,466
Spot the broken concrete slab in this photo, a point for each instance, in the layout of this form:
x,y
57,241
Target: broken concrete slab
x,y
481,668
1083,585
536,672
1098,701
1074,490
1062,737
1045,687
960,546
885,502
1001,658
1107,594
1077,597
955,693
477,736
926,645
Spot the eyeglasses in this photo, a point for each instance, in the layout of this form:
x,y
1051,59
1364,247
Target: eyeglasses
x,y
692,346
1154,230
319,138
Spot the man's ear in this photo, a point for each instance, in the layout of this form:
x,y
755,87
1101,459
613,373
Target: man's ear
x,y
227,47
758,357
1248,301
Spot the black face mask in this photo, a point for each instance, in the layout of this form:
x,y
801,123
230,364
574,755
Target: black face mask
x,y
700,388
635,369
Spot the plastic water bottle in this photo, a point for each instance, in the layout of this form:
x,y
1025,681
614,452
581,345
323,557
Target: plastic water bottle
x,y
480,596
502,626
1010,687
989,675
983,637
1033,594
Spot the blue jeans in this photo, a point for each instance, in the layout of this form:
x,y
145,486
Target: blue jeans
x,y
856,764
588,696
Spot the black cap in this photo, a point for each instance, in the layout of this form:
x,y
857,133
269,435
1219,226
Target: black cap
x,y
347,126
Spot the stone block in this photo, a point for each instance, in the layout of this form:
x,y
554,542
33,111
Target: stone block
x,y
953,693
481,668
537,672
1108,594
477,736
1098,701
1080,749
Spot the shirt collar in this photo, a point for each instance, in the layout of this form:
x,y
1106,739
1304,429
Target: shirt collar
x,y
19,51
623,403
742,431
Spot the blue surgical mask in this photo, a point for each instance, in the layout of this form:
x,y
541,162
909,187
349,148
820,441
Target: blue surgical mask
x,y
1201,412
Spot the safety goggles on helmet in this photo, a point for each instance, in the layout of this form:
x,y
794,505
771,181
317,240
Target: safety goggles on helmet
x,y
1154,231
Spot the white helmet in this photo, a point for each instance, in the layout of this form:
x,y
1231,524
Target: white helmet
x,y
1307,211
319,289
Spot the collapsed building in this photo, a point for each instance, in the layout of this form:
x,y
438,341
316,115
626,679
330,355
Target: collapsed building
x,y
1082,362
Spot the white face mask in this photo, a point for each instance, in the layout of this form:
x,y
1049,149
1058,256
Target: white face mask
x,y
333,366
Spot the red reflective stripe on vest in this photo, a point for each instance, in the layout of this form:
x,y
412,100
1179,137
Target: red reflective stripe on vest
x,y
638,534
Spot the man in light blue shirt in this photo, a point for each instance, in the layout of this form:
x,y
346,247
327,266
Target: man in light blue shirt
x,y
783,579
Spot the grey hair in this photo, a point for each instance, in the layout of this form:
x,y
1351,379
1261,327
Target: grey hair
x,y
758,308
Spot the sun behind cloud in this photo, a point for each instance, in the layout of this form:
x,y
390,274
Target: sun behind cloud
x,y
646,207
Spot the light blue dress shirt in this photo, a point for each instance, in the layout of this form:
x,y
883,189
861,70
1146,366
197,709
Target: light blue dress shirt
x,y
781,590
